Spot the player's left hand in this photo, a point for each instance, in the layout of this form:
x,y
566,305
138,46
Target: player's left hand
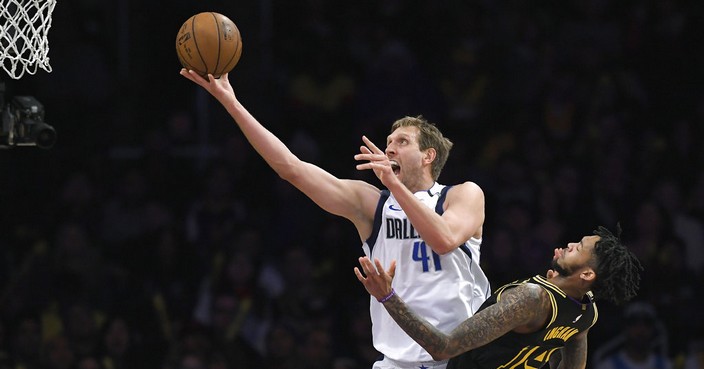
x,y
377,161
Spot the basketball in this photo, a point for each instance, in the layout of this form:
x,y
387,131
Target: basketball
x,y
209,42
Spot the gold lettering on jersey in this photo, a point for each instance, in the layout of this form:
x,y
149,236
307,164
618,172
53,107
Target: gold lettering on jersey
x,y
561,333
530,357
520,358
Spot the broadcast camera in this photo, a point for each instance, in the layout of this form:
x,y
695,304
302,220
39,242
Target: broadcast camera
x,y
22,123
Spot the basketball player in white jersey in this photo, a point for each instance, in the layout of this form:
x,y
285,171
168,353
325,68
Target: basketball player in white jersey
x,y
432,231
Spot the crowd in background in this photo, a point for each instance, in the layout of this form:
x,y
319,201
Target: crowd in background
x,y
153,236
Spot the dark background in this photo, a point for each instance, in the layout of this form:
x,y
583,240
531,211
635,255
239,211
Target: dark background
x,y
152,210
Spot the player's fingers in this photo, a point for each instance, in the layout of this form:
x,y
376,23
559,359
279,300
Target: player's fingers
x,y
371,145
365,150
187,73
379,267
359,275
374,166
392,269
195,77
371,156
363,265
369,269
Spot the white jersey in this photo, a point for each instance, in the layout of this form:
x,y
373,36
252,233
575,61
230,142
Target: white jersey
x,y
444,289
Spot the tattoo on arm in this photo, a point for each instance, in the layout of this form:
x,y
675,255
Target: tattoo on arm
x,y
574,354
516,307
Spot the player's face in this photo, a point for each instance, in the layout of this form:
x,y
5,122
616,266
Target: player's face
x,y
404,153
567,261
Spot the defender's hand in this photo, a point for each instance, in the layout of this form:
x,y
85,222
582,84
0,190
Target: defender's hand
x,y
377,281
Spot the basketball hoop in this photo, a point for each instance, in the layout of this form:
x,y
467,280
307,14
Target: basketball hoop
x,y
24,26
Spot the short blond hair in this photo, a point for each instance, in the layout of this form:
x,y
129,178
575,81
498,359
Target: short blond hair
x,y
430,136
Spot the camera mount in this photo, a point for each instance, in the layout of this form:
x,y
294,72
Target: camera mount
x,y
22,123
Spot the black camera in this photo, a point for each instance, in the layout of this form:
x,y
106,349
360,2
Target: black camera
x,y
23,124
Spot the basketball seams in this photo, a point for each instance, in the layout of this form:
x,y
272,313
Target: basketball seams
x,y
179,52
181,56
183,61
219,33
219,45
238,50
237,53
195,42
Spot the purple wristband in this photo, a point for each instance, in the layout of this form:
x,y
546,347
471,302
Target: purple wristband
x,y
390,295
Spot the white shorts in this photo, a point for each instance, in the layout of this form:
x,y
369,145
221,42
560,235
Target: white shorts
x,y
387,363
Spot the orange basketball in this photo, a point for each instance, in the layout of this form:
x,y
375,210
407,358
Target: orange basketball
x,y
209,42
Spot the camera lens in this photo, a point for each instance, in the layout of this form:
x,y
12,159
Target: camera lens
x,y
45,135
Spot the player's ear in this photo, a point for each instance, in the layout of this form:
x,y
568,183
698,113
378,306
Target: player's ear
x,y
588,275
430,155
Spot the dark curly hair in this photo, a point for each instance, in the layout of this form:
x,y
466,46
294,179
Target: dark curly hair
x,y
617,268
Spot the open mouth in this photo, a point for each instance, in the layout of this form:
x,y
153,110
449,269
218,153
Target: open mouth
x,y
395,167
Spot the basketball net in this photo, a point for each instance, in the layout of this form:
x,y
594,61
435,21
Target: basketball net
x,y
24,26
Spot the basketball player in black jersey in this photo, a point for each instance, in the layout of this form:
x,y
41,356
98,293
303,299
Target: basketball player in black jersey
x,y
529,322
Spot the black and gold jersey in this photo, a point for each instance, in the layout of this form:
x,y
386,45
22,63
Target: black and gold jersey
x,y
532,350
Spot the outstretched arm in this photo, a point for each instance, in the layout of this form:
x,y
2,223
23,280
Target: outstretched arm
x,y
354,200
525,306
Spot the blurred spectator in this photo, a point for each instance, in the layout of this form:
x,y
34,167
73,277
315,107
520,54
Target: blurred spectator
x,y
120,346
124,212
232,304
304,296
695,355
322,92
58,353
234,330
89,362
79,202
82,328
671,197
5,349
192,361
464,85
281,353
26,341
642,343
651,229
316,349
165,273
213,216
78,272
358,346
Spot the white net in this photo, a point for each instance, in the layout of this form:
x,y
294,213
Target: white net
x,y
24,26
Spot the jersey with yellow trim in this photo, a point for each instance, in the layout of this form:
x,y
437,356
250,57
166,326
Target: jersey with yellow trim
x,y
532,350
